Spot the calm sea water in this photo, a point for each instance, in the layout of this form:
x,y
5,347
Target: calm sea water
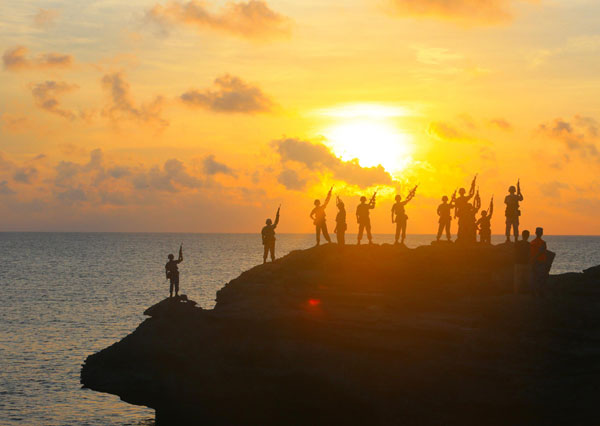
x,y
67,295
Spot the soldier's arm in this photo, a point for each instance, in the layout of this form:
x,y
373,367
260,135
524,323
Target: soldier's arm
x,y
327,198
180,259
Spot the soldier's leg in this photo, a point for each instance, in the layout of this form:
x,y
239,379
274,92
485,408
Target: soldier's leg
x,y
265,251
368,228
325,232
272,250
508,226
403,226
440,230
448,234
318,233
516,229
171,288
361,228
177,287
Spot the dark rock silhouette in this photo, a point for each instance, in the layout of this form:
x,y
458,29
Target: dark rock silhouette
x,y
379,335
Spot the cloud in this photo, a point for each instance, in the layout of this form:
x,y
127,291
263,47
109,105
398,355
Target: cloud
x,y
446,131
122,106
552,189
212,167
14,123
46,96
5,189
45,18
578,135
501,124
291,180
232,95
25,174
318,157
169,178
471,12
16,59
435,55
253,19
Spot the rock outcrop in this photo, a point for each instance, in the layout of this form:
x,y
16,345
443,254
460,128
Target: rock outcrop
x,y
378,335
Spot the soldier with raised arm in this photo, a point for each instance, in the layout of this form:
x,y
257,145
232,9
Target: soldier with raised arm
x,y
363,219
318,216
399,216
172,272
444,211
512,211
484,224
340,222
268,237
463,199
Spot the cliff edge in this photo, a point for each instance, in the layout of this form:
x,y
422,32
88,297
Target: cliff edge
x,y
379,335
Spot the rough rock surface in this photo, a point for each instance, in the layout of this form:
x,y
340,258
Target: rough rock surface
x,y
377,335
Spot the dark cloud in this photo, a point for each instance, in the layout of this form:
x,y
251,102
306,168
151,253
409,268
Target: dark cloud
x,y
25,174
577,136
5,189
319,157
470,12
119,172
72,196
16,59
122,106
231,95
210,166
46,96
253,19
291,180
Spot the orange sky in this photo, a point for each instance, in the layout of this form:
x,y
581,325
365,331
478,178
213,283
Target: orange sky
x,y
205,116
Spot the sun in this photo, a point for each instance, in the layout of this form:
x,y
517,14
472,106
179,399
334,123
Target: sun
x,y
373,141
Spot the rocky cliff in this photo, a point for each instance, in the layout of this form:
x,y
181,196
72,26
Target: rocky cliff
x,y
377,335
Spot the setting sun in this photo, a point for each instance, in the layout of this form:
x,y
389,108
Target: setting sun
x,y
372,141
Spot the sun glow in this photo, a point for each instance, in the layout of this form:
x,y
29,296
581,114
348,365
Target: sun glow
x,y
372,142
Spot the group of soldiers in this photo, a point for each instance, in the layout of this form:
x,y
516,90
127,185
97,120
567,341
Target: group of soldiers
x,y
464,210
532,259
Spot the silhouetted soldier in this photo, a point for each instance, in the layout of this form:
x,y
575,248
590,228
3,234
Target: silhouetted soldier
x,y
318,216
522,276
539,263
268,237
485,224
462,209
399,216
172,272
444,211
462,200
340,222
467,221
363,219
512,210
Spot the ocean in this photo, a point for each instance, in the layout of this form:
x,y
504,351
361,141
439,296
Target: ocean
x,y
68,295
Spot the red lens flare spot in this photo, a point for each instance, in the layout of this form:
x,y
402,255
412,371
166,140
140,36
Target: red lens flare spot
x,y
314,302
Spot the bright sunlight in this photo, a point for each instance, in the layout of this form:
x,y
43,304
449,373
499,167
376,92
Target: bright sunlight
x,y
367,132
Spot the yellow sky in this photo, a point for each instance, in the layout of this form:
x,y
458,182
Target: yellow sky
x,y
205,116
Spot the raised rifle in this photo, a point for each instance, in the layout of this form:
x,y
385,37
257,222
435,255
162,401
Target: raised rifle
x,y
372,201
